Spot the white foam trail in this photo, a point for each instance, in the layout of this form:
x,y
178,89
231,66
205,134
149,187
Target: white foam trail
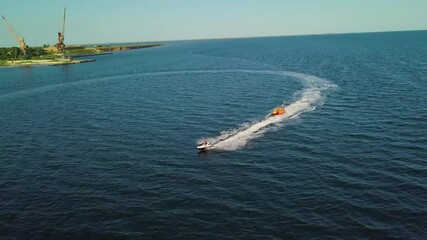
x,y
310,97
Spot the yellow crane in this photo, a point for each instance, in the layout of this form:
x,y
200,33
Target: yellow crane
x,y
19,39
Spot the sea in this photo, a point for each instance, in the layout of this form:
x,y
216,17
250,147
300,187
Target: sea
x,y
107,150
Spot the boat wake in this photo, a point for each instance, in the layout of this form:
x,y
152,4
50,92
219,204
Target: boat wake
x,y
312,96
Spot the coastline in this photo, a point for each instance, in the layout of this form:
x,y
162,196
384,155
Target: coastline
x,y
92,54
74,52
82,51
48,62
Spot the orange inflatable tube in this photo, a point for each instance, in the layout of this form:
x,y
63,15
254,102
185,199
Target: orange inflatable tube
x,y
278,111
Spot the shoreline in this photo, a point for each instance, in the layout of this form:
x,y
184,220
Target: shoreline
x,y
92,54
81,51
75,52
50,62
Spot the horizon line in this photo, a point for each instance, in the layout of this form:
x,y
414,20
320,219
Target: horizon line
x,y
247,37
265,36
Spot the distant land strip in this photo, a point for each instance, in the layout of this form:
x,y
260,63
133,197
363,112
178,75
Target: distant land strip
x,y
49,55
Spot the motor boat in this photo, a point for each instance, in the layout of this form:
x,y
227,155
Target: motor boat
x,y
204,146
278,111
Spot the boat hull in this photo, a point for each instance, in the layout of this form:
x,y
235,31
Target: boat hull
x,y
204,147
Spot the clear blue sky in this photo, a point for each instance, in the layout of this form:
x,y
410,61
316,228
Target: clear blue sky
x,y
104,21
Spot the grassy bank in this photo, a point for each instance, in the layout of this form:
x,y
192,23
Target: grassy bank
x,y
50,56
87,50
50,62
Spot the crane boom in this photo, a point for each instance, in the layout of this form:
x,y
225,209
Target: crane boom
x,y
18,39
63,23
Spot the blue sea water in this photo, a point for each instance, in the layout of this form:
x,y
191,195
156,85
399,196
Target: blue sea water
x,y
106,150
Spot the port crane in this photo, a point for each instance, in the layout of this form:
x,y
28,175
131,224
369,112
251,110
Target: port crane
x,y
60,45
19,39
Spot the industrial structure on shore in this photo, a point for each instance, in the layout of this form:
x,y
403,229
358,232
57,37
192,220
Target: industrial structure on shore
x,y
19,39
57,54
59,46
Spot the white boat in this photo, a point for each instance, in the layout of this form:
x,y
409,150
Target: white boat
x,y
204,146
